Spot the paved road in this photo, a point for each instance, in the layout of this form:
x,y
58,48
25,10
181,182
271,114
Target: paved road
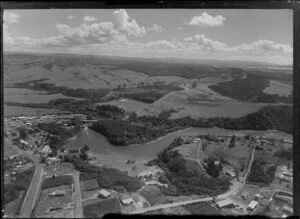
x,y
232,191
244,179
32,191
78,197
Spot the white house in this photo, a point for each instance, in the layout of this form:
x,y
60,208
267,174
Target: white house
x,y
46,149
104,193
126,200
252,205
24,142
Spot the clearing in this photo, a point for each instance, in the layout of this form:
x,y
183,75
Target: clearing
x,y
280,88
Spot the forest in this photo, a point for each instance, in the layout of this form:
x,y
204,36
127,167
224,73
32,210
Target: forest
x,y
249,89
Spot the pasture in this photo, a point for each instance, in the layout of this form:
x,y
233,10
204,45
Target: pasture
x,y
127,104
280,88
200,102
85,76
22,95
27,111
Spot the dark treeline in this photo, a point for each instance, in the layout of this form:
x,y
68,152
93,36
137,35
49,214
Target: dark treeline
x,y
130,131
258,175
146,94
93,94
249,89
186,179
110,111
106,177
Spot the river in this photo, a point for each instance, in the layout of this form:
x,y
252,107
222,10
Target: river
x,y
147,151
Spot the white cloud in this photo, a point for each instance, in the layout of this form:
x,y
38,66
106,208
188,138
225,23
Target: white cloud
x,y
207,44
94,33
10,18
156,28
161,45
130,27
206,20
264,46
70,17
89,19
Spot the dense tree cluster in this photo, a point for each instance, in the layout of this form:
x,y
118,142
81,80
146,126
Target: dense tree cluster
x,y
22,182
106,177
287,154
258,175
184,178
249,89
110,111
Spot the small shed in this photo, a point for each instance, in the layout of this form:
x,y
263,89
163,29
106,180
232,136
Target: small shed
x,y
126,200
104,193
253,204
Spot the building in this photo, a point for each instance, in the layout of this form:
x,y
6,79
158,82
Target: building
x,y
46,149
228,170
252,206
104,193
57,193
226,203
126,200
286,178
24,142
284,196
287,210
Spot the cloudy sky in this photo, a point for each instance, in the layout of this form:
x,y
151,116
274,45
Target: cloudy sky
x,y
256,35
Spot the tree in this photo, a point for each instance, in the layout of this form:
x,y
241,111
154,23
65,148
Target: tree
x,y
43,159
232,142
23,133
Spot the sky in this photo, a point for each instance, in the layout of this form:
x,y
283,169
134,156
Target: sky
x,y
221,34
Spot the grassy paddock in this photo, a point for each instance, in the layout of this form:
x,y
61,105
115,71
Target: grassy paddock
x,y
57,181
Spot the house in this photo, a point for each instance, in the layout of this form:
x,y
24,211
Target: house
x,y
286,178
57,193
288,210
284,196
226,203
104,193
252,206
228,170
46,149
126,200
24,142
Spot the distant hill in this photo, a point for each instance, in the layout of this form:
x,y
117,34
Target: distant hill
x,y
90,71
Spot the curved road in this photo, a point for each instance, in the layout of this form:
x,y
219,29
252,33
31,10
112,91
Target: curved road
x,y
232,191
32,192
78,197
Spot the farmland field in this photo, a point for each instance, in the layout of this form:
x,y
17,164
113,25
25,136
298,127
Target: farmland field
x,y
276,87
22,95
127,104
27,111
86,76
200,102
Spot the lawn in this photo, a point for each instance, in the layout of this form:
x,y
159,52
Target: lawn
x,y
91,184
276,87
99,209
153,195
202,209
27,111
57,181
